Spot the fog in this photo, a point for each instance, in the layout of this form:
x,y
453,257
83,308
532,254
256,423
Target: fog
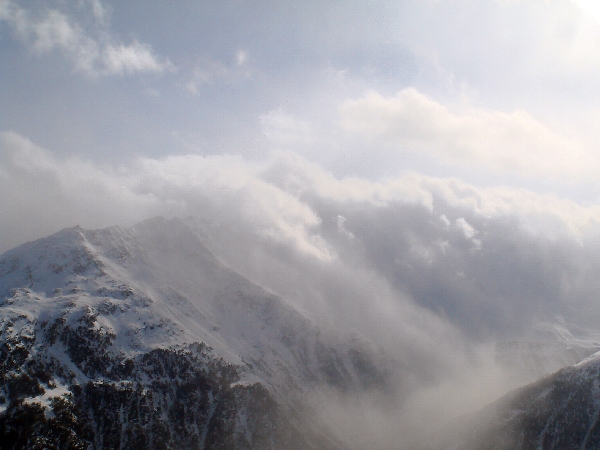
x,y
443,283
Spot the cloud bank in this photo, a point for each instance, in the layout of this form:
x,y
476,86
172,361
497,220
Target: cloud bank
x,y
460,251
434,270
497,141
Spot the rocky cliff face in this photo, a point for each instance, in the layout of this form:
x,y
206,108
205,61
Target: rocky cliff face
x,y
141,338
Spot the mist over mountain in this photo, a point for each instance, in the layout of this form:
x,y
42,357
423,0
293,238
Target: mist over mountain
x,y
466,294
143,338
558,411
150,321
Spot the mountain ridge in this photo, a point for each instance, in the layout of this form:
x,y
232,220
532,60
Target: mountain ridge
x,y
83,313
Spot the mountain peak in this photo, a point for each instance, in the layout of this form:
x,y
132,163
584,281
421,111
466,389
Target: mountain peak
x,y
97,311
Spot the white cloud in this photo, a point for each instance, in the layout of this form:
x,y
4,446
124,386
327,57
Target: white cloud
x,y
547,214
498,141
61,192
469,232
271,197
99,54
131,58
230,187
466,227
55,32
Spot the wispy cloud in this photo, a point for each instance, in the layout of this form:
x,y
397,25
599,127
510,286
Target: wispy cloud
x,y
208,71
285,131
94,52
131,58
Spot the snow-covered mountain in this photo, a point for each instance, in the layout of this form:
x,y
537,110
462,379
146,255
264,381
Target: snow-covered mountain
x,y
559,411
142,338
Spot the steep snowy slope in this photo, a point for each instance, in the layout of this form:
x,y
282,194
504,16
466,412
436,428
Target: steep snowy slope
x,y
560,411
141,337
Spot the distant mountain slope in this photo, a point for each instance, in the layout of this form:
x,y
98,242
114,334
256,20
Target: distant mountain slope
x,y
560,411
142,338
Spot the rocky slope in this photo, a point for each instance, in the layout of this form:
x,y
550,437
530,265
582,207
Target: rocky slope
x,y
142,338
